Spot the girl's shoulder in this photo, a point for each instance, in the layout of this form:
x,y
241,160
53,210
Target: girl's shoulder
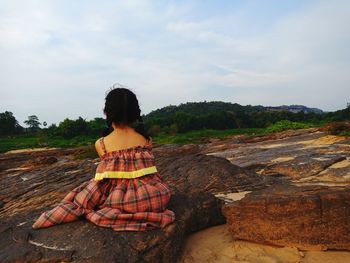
x,y
100,147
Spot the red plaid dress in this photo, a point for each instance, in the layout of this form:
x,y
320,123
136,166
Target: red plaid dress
x,y
127,193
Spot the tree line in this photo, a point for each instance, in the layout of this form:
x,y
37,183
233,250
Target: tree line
x,y
67,128
175,119
222,115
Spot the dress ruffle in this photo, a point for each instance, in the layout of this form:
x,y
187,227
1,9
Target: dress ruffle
x,y
126,163
121,204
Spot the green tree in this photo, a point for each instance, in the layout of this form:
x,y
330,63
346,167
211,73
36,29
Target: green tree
x,y
8,124
52,130
154,130
33,122
96,126
71,128
173,129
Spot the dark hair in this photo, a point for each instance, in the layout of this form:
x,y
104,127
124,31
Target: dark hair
x,y
122,108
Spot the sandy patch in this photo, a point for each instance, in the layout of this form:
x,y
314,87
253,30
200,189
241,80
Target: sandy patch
x,y
341,164
320,158
260,171
215,244
328,256
282,159
275,145
328,176
30,150
323,183
231,197
17,169
328,139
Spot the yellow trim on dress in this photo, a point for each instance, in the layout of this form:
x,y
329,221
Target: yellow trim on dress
x,y
125,174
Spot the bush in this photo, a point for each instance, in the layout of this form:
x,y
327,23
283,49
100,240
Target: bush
x,y
338,128
287,125
154,130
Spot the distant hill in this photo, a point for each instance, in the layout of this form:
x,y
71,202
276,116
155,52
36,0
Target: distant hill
x,y
202,108
213,107
294,108
225,115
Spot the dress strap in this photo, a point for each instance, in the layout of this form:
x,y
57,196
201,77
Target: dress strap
x,y
103,145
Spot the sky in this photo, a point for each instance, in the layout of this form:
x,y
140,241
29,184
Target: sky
x,y
59,58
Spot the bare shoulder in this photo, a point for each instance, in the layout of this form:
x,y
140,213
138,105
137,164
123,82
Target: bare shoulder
x,y
98,147
140,138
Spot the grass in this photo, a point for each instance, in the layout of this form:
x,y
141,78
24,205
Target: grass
x,y
200,136
32,141
288,125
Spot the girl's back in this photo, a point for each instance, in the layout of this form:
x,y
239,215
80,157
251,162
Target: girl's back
x,y
121,139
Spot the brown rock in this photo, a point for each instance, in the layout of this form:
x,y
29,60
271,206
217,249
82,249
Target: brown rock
x,y
43,160
196,173
303,165
28,191
307,217
304,156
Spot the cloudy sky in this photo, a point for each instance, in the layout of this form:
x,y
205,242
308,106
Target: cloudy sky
x,y
58,58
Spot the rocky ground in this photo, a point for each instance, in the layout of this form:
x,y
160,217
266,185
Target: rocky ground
x,y
287,190
302,213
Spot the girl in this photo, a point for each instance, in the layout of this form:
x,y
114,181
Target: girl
x,y
127,192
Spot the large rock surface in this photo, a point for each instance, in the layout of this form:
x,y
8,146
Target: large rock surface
x,y
306,203
36,181
307,217
302,155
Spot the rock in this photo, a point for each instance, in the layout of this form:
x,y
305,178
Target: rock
x,y
303,165
32,189
264,152
43,160
307,217
306,202
305,156
198,172
81,241
168,150
15,159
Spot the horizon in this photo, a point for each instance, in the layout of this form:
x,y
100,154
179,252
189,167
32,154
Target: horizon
x,y
86,119
60,58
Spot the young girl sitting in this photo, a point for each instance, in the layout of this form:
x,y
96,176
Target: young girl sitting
x,y
127,192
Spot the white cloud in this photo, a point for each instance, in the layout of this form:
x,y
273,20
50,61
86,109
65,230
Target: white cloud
x,y
58,58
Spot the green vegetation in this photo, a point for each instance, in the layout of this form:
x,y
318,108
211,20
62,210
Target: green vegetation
x,y
33,141
203,135
30,141
190,122
8,124
221,115
287,125
339,128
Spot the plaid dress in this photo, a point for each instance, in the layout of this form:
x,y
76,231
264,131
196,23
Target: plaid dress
x,y
127,193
